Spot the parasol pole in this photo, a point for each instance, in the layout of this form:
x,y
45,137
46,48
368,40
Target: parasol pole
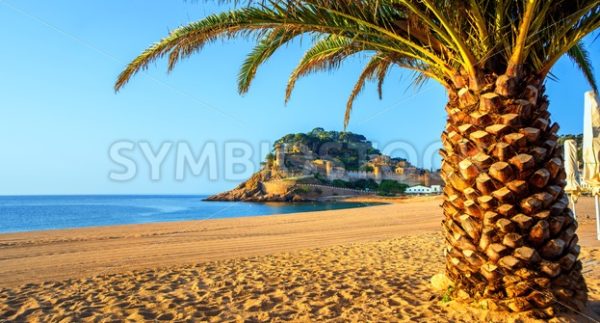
x,y
597,217
573,207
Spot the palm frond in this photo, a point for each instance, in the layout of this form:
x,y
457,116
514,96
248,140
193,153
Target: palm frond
x,y
326,54
581,57
516,58
377,66
261,53
434,39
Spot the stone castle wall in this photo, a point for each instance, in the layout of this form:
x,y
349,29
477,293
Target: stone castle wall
x,y
426,179
277,187
331,172
333,191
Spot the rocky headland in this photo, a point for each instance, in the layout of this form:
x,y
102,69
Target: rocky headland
x,y
322,165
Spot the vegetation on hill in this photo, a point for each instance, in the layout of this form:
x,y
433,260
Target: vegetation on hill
x,y
348,148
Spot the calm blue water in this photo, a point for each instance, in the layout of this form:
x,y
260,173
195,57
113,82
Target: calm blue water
x,y
31,213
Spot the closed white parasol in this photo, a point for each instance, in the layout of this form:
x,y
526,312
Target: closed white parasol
x,y
572,171
591,149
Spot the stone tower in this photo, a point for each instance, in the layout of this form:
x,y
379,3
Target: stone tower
x,y
328,169
279,156
378,172
426,179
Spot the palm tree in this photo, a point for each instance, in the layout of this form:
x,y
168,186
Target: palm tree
x,y
509,234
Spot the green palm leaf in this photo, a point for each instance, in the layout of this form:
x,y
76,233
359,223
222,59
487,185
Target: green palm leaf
x,y
442,39
581,57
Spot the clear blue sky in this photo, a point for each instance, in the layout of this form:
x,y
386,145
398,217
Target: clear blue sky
x,y
59,114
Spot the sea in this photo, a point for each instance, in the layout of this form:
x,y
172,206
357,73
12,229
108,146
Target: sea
x,y
33,213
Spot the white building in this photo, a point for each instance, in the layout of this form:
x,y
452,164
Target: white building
x,y
420,189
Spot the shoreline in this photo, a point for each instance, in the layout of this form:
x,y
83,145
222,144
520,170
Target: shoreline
x,y
209,215
373,200
70,253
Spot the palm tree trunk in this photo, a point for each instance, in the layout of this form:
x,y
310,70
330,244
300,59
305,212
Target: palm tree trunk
x,y
510,235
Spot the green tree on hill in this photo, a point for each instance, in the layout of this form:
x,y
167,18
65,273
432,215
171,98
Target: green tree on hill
x,y
389,187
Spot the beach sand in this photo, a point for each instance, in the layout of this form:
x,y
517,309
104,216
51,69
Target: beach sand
x,y
363,264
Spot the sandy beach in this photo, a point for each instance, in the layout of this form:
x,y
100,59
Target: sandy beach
x,y
362,264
